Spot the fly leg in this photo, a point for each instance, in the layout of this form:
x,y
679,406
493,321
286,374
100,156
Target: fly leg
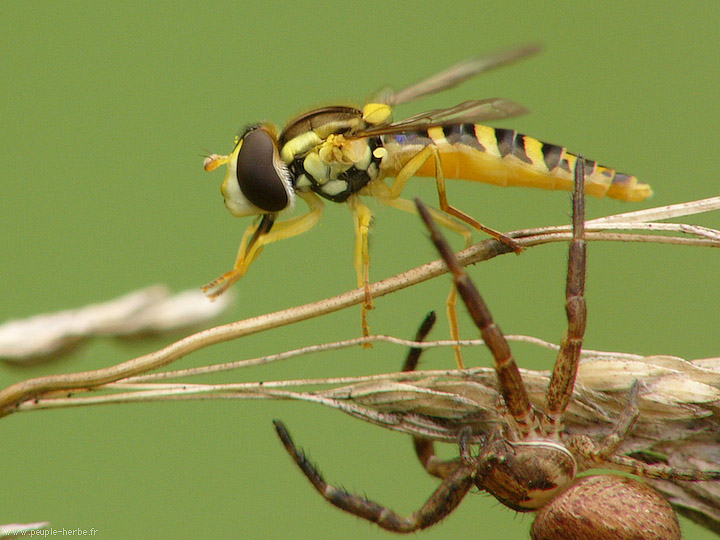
x,y
361,256
248,251
259,235
395,189
444,221
414,165
424,448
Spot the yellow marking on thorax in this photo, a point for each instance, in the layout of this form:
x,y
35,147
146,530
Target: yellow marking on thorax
x,y
299,145
377,113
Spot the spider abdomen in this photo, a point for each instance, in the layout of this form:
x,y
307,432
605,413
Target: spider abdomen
x,y
607,507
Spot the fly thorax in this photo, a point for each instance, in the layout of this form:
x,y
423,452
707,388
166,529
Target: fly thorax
x,y
299,146
524,476
338,167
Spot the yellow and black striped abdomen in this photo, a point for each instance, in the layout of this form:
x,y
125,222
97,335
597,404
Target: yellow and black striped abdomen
x,y
507,158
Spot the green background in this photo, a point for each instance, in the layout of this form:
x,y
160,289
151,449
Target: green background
x,y
106,109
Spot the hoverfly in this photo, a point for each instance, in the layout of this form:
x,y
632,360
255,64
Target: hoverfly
x,y
341,153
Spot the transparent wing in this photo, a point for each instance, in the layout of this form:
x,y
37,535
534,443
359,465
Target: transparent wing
x,y
474,112
456,74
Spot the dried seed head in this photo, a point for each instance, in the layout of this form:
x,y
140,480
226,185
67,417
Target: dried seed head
x,y
607,507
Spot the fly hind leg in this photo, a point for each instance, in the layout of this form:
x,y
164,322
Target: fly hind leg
x,y
415,164
443,220
392,198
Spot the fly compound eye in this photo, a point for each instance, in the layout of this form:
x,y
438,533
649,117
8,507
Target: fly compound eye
x,y
263,178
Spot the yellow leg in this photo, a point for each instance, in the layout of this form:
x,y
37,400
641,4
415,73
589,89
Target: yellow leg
x,y
218,286
253,242
443,220
440,218
361,257
392,198
451,311
414,164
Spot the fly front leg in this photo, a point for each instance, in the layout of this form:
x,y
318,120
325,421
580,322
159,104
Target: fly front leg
x,y
246,254
361,256
261,234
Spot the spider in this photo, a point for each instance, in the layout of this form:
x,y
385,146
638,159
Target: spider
x,y
528,463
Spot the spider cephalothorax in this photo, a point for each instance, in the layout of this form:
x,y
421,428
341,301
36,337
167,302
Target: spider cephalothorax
x,y
523,475
528,462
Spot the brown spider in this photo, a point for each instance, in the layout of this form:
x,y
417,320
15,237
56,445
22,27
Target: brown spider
x,y
528,463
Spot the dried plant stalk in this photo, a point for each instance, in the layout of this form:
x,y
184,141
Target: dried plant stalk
x,y
679,402
152,310
15,394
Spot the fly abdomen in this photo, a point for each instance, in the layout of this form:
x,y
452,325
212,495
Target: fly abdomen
x,y
505,157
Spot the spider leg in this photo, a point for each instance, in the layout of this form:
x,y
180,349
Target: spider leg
x,y
562,381
615,438
445,221
584,446
660,471
605,451
510,382
440,468
413,357
424,448
441,503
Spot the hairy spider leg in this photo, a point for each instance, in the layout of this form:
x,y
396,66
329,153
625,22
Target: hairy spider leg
x,y
606,450
565,369
511,385
438,506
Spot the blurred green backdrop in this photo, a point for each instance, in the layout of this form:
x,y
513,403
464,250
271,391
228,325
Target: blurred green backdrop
x,y
106,109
